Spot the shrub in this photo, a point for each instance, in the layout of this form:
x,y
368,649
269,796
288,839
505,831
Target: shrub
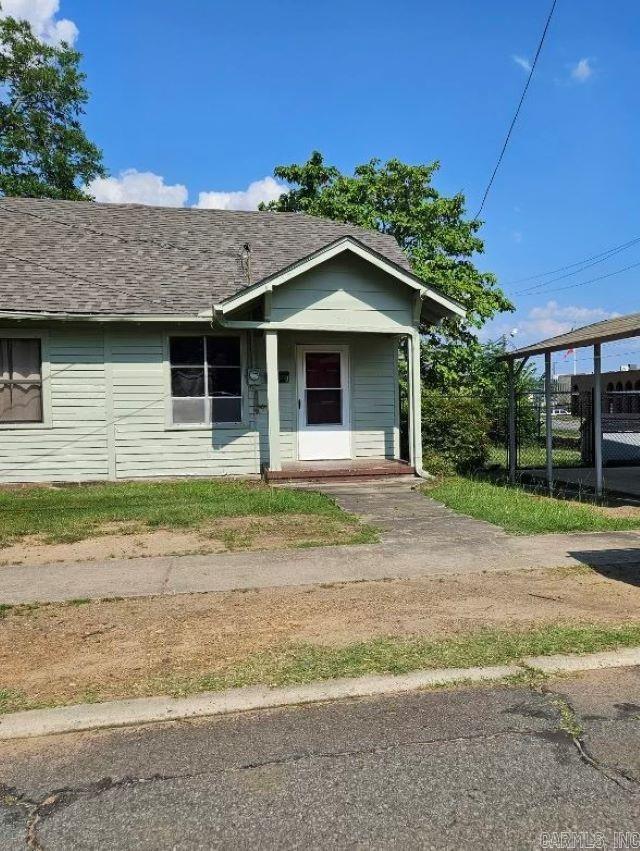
x,y
455,428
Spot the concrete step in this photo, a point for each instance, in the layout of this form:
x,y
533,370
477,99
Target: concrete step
x,y
346,472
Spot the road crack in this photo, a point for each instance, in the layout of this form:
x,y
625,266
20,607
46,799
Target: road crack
x,y
573,728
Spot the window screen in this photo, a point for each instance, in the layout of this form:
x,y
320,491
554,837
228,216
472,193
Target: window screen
x,y
20,381
206,380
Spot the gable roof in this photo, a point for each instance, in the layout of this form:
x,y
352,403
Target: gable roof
x,y
80,257
443,306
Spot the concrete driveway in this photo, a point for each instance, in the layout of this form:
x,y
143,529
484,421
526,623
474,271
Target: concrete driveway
x,y
467,768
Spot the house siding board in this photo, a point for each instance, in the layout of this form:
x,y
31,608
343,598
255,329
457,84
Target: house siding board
x,y
76,445
344,291
73,445
144,446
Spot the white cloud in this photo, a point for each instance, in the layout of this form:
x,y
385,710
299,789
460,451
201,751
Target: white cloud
x,y
550,319
522,61
265,190
138,187
543,321
581,71
41,14
145,187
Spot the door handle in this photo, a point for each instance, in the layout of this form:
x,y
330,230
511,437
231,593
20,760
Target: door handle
x,y
299,404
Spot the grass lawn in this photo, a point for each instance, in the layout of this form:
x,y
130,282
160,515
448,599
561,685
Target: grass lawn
x,y
80,651
534,456
305,663
74,512
299,663
521,512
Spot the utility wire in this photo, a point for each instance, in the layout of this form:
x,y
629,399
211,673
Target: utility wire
x,y
609,252
544,284
517,112
584,283
29,261
105,234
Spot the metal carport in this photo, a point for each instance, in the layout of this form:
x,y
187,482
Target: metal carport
x,y
595,335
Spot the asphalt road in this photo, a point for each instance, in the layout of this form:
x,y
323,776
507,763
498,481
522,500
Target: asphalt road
x,y
446,769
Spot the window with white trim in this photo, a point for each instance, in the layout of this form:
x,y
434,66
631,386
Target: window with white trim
x,y
206,380
20,380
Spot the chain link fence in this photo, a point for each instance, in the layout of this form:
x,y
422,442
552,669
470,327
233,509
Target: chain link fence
x,y
573,439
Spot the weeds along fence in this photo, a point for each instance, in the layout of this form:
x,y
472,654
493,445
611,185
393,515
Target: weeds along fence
x,y
572,431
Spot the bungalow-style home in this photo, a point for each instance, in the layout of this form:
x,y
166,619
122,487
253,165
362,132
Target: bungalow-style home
x,y
140,341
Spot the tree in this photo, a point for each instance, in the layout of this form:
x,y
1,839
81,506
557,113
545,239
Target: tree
x,y
399,199
44,152
489,379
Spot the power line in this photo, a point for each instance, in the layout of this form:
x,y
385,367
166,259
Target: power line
x,y
542,286
63,272
535,289
106,234
517,112
609,252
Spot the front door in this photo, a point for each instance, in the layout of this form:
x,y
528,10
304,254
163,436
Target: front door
x,y
324,427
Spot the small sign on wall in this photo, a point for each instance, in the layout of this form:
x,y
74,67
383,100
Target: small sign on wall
x,y
283,376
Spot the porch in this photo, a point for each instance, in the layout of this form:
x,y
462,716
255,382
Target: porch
x,y
358,468
333,405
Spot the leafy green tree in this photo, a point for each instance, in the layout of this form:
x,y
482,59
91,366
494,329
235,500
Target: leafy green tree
x,y
488,379
399,199
44,152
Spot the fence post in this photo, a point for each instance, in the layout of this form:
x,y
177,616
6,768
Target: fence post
x,y
597,416
549,421
512,423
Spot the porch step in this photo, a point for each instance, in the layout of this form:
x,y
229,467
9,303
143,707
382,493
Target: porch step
x,y
348,470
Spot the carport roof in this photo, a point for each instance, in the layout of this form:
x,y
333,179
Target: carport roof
x,y
618,328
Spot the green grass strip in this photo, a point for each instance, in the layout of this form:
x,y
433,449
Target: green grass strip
x,y
299,663
304,663
71,513
524,513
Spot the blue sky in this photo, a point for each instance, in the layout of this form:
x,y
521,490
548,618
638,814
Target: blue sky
x,y
206,96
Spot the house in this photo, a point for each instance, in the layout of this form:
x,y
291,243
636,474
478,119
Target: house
x,y
139,341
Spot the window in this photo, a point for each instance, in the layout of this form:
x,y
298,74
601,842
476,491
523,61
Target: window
x,y
323,388
206,380
20,380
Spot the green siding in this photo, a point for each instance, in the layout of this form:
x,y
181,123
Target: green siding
x,y
373,383
90,416
144,446
74,445
344,292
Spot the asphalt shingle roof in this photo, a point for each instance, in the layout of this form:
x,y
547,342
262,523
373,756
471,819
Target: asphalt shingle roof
x,y
82,257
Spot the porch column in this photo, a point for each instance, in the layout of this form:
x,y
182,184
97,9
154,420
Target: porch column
x,y
512,422
415,403
273,399
549,422
597,416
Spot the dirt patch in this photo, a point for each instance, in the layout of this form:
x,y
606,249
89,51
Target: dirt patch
x,y
620,510
133,540
101,650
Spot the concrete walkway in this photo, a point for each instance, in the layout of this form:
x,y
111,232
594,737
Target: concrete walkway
x,y
420,537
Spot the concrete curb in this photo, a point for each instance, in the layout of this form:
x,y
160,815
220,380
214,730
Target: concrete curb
x,y
123,713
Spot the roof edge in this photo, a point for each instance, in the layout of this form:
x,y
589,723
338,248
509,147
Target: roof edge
x,y
580,338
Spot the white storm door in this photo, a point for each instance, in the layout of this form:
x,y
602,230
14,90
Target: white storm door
x,y
324,416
